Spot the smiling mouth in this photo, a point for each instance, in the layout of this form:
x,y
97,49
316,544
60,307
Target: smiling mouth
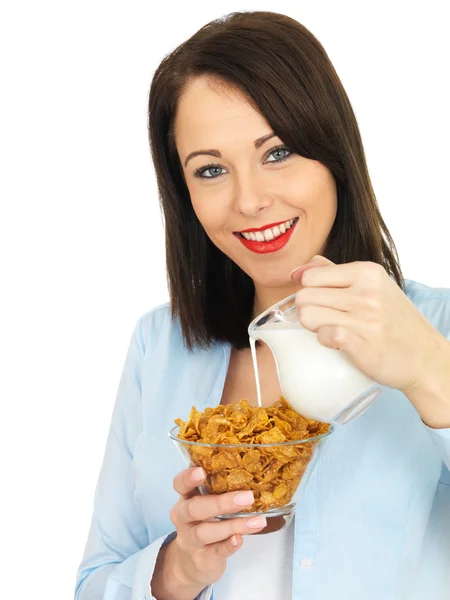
x,y
270,233
270,239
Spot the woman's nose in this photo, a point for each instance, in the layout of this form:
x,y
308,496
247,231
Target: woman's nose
x,y
249,197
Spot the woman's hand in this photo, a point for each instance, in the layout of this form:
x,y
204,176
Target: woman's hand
x,y
356,307
204,544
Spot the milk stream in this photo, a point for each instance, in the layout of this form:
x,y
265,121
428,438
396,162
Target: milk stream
x,y
255,369
266,334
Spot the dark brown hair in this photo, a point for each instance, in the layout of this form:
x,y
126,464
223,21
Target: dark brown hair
x,y
287,76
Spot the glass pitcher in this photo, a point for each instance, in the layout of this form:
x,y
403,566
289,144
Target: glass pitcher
x,y
319,383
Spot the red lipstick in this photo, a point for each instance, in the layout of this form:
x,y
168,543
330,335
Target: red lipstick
x,y
263,228
266,247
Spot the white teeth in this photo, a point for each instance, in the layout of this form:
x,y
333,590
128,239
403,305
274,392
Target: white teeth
x,y
277,231
269,234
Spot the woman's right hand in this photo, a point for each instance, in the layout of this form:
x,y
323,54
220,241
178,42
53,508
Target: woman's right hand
x,y
204,544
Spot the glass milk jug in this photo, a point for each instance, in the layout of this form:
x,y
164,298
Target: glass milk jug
x,y
319,383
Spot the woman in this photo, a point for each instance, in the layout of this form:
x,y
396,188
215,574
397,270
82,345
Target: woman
x,y
261,168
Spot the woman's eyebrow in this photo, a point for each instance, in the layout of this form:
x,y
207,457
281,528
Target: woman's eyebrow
x,y
259,142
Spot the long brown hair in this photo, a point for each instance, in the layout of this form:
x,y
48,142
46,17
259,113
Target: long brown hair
x,y
287,76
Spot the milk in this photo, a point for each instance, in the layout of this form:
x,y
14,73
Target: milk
x,y
255,369
319,383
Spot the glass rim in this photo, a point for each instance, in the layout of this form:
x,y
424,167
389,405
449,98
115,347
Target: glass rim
x,y
268,311
248,444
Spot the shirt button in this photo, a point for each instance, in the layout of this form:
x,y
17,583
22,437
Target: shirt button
x,y
306,563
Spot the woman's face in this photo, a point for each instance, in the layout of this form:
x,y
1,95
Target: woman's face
x,y
251,187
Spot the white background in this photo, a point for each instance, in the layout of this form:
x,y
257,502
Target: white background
x,y
81,236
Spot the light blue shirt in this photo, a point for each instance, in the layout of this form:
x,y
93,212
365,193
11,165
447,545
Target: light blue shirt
x,y
374,520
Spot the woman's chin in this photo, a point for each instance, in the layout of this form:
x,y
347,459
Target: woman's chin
x,y
275,283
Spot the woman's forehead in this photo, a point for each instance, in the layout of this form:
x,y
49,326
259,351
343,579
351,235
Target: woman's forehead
x,y
208,119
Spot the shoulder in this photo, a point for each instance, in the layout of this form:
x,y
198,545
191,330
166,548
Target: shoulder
x,y
156,326
164,351
433,302
421,292
158,317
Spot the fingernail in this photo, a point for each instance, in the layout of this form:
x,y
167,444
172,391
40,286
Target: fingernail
x,y
298,270
292,273
243,498
198,474
234,541
256,522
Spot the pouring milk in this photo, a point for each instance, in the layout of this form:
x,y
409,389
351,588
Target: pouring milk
x,y
319,383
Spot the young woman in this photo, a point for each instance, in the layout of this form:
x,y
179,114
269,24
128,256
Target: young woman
x,y
261,168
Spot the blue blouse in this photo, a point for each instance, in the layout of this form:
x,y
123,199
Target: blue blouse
x,y
373,522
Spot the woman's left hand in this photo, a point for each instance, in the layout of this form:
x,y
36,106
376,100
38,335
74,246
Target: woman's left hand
x,y
358,308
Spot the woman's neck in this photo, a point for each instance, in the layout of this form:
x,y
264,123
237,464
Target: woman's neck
x,y
267,296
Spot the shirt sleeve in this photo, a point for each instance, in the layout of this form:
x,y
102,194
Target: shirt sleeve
x,y
440,318
119,558
441,438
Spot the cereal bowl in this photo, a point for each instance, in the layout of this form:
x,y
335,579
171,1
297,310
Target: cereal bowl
x,y
276,472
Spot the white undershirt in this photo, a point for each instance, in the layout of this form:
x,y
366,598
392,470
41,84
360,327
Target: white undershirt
x,y
261,569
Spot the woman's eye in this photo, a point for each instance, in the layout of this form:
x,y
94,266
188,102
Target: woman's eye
x,y
280,149
214,167
211,167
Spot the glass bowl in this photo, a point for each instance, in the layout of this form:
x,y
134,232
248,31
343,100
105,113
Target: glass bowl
x,y
277,473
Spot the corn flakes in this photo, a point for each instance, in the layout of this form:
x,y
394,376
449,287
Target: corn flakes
x,y
271,472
